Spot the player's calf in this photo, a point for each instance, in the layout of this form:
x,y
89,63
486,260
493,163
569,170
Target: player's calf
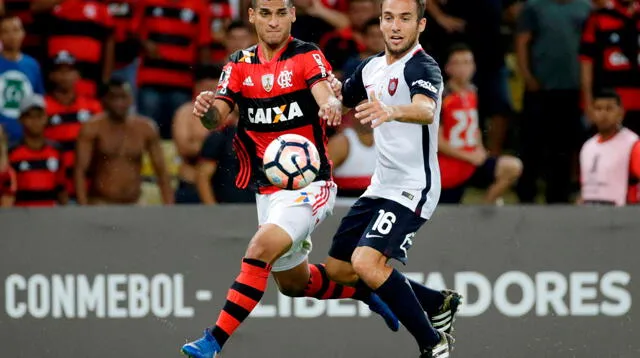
x,y
269,243
395,290
341,272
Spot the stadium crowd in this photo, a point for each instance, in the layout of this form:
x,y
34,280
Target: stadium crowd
x,y
96,98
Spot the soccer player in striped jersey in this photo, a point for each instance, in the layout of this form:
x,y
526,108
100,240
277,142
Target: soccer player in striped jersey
x,y
280,86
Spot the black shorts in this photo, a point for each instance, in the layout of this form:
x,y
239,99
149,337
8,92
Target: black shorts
x,y
482,178
377,223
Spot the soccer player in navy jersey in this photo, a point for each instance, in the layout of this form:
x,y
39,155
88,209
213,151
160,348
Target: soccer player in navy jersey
x,y
280,86
399,93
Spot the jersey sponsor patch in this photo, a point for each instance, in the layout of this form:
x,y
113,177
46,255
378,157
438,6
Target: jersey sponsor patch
x,y
426,85
283,113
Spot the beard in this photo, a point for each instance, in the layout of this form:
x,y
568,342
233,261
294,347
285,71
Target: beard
x,y
404,47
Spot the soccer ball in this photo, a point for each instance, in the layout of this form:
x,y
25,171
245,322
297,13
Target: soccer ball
x,y
291,162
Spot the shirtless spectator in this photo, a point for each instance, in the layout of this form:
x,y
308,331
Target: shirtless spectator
x,y
7,175
189,134
353,154
110,150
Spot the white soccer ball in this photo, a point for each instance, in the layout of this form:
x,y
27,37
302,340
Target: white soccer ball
x,y
291,162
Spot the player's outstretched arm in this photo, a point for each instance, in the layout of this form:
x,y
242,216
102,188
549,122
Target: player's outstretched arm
x,y
422,110
210,111
330,105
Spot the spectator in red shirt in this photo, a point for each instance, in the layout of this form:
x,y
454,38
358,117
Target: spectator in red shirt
x,y
7,174
463,159
609,55
85,29
37,162
127,46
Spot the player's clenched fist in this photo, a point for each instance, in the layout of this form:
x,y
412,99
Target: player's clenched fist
x,y
374,111
331,112
203,102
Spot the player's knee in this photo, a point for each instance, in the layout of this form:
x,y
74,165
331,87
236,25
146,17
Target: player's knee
x,y
367,261
510,168
269,243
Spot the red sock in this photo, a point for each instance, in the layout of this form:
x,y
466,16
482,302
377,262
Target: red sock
x,y
242,298
322,288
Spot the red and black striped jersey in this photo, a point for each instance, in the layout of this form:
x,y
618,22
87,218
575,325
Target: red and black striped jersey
x,y
178,29
610,41
126,46
64,126
274,98
40,174
82,28
8,183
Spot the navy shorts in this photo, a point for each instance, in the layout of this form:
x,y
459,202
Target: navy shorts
x,y
377,223
482,178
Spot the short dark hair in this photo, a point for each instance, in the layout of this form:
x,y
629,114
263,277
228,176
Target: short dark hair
x,y
420,4
607,93
203,72
458,47
114,82
288,3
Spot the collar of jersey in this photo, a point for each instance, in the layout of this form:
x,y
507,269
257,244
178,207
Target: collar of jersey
x,y
276,56
406,57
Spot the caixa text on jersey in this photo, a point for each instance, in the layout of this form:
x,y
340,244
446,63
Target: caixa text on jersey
x,y
283,113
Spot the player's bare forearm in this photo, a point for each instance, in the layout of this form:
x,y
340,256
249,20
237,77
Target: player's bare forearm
x,y
422,110
330,105
210,111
